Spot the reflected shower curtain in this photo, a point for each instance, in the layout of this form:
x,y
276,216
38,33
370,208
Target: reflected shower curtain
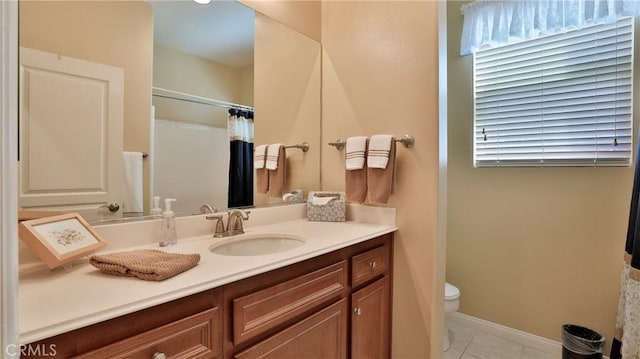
x,y
240,127
626,343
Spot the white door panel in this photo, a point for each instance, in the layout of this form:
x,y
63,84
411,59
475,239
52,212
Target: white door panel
x,y
71,134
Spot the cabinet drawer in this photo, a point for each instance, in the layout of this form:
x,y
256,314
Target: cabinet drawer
x,y
369,265
322,335
196,336
258,312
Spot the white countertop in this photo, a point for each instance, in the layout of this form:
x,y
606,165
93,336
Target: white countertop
x,y
54,302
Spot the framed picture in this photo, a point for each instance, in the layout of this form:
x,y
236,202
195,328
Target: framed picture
x,y
58,240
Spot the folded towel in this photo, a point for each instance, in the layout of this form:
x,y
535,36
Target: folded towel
x,y
147,264
262,177
356,180
273,152
381,179
259,156
378,153
354,152
277,177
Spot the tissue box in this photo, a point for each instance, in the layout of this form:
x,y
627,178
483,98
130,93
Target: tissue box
x,y
323,206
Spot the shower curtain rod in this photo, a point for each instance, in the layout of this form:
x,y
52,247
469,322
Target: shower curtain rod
x,y
175,95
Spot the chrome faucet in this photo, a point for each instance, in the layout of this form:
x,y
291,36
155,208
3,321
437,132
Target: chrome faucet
x,y
234,223
207,208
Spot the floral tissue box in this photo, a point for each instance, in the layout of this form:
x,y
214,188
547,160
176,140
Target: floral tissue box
x,y
323,206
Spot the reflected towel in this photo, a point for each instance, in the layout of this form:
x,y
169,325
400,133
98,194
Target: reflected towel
x,y
277,177
147,264
262,177
259,156
356,179
381,180
133,181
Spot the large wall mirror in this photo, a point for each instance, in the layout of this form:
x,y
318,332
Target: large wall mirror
x,y
99,78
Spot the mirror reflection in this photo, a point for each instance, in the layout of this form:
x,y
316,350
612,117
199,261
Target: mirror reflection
x,y
86,71
202,70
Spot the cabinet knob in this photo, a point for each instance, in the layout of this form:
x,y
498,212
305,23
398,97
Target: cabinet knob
x,y
159,356
357,310
372,264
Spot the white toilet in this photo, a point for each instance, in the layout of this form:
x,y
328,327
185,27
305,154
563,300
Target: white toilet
x,y
451,304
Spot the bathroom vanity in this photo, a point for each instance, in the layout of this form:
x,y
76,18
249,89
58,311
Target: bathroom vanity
x,y
330,298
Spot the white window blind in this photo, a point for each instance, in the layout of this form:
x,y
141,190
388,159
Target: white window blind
x,y
564,99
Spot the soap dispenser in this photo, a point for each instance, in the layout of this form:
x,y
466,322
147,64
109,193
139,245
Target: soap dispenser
x,y
169,236
156,210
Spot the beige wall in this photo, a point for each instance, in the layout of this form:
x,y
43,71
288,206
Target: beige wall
x,y
287,107
246,85
86,30
178,71
380,75
530,248
303,16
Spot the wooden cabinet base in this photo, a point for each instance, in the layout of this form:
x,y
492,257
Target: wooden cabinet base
x,y
337,305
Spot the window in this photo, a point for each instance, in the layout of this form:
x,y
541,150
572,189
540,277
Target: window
x,y
559,100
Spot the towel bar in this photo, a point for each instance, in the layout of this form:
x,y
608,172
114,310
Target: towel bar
x,y
304,146
407,141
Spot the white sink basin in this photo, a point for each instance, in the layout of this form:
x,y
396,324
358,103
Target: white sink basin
x,y
256,244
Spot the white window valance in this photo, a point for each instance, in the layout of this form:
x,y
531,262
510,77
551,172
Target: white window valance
x,y
495,22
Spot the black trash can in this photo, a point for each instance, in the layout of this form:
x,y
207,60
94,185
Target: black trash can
x,y
581,343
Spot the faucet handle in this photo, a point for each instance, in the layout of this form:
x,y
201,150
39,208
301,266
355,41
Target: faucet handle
x,y
219,232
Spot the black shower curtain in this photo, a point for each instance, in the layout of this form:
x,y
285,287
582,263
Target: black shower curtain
x,y
240,127
626,343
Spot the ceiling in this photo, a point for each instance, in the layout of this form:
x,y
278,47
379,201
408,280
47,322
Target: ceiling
x,y
221,31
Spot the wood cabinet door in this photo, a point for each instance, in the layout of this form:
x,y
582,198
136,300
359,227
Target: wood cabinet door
x,y
320,336
194,337
370,321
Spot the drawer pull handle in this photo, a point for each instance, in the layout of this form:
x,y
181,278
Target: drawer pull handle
x,y
357,310
159,356
372,265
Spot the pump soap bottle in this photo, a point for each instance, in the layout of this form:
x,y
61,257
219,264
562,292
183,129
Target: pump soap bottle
x,y
156,210
169,236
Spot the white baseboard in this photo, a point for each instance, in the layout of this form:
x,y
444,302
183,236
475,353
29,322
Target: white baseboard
x,y
514,335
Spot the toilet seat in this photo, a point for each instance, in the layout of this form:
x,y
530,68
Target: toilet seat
x,y
451,292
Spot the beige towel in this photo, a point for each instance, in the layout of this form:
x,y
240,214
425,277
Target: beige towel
x,y
356,179
381,180
262,177
147,264
277,177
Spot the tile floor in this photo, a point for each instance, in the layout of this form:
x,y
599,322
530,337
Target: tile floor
x,y
468,343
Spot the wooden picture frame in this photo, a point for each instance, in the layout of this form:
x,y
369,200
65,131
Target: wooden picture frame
x,y
58,240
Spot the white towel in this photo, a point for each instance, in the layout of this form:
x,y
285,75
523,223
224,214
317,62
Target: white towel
x,y
323,201
259,156
354,153
133,181
272,156
378,154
